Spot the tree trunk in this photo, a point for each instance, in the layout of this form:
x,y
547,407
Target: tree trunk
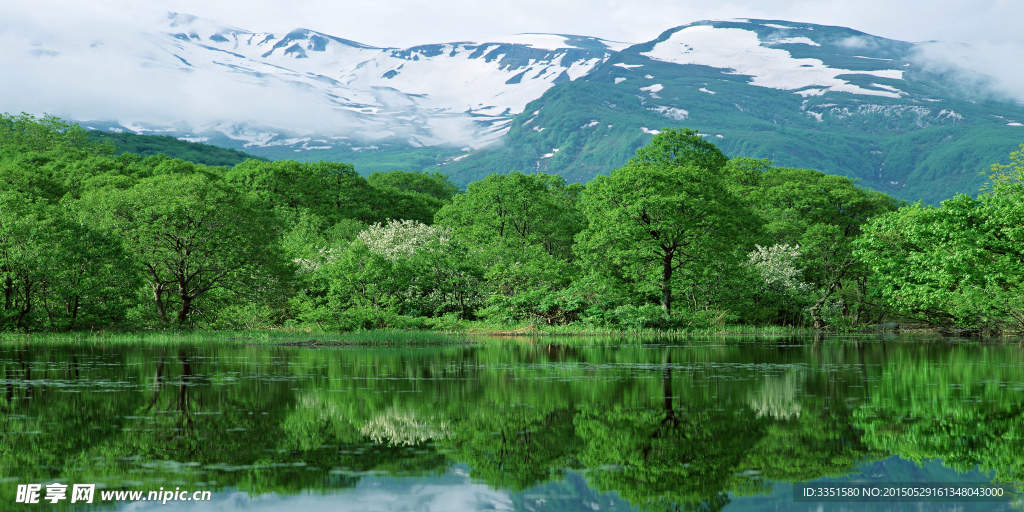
x,y
158,292
819,323
26,307
666,284
186,308
74,313
8,292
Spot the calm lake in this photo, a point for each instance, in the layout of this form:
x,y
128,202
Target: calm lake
x,y
513,424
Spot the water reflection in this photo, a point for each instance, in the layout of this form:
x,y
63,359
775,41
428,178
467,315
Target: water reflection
x,y
700,425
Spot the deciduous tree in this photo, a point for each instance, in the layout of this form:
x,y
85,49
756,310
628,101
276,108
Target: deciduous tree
x,y
193,235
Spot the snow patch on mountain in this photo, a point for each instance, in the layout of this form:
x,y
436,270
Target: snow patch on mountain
x,y
806,93
741,52
795,40
675,114
887,87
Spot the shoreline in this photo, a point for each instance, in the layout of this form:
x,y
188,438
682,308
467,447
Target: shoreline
x,y
308,337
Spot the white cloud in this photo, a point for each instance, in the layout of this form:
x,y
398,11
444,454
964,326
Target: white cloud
x,y
67,69
997,60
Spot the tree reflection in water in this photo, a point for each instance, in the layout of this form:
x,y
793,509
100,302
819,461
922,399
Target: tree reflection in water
x,y
687,427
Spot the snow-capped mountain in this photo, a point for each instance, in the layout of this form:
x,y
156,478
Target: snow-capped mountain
x,y
459,93
828,98
803,95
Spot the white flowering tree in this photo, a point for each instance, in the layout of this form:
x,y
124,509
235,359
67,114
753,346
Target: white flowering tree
x,y
777,266
404,238
404,267
783,293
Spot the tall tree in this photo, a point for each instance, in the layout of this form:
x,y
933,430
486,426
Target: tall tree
x,y
657,223
520,227
517,210
960,264
192,235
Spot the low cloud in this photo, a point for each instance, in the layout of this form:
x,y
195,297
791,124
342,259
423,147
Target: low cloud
x,y
116,69
97,66
979,68
857,43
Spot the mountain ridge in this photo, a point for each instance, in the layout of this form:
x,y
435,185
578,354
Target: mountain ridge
x,y
850,104
804,95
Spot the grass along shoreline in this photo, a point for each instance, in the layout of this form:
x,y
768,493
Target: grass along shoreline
x,y
466,333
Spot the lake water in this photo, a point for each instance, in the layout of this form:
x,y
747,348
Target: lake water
x,y
543,424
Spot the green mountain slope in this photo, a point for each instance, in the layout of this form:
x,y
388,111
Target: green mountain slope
x,y
149,145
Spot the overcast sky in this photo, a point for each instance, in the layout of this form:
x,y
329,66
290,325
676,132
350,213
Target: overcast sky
x,y
410,22
991,27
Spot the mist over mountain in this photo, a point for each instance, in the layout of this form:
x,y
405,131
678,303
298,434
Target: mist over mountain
x,y
206,81
804,95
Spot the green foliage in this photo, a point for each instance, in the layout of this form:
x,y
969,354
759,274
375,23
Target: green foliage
x,y
543,305
193,237
389,274
630,318
517,209
821,214
1006,178
412,195
27,133
959,264
657,229
679,238
335,192
330,190
519,228
434,184
55,273
680,148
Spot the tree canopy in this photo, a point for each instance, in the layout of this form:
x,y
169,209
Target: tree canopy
x,y
680,237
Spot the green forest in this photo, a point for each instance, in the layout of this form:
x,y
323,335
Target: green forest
x,y
681,237
151,145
